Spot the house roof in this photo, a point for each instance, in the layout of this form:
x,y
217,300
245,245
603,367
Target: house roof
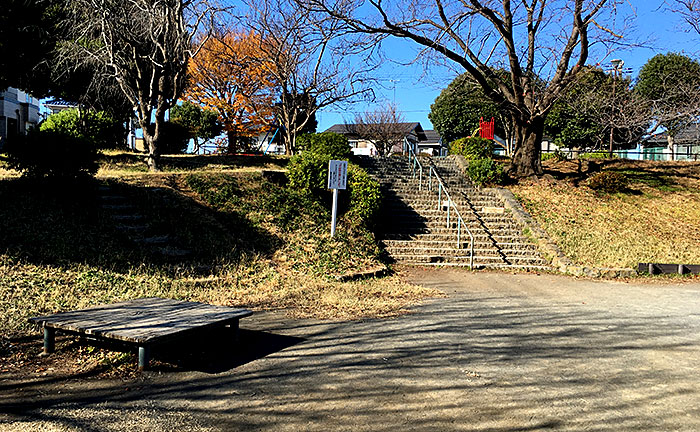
x,y
432,136
60,103
350,129
688,134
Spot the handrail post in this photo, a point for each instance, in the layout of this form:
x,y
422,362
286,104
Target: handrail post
x,y
439,196
471,251
459,229
448,211
420,178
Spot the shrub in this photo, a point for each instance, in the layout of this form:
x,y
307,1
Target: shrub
x,y
557,155
472,148
308,172
174,138
485,171
597,155
52,154
330,144
608,181
97,127
365,195
308,175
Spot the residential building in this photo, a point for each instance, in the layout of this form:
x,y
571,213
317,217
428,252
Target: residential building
x,y
686,145
412,133
56,106
432,144
19,112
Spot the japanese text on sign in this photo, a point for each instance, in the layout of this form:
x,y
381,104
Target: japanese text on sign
x,y
337,174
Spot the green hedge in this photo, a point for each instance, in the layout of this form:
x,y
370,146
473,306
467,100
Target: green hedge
x,y
96,127
51,154
485,172
308,175
472,148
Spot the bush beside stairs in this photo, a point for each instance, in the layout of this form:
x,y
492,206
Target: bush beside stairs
x,y
414,229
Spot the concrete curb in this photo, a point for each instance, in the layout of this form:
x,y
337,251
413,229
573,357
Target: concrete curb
x,y
543,241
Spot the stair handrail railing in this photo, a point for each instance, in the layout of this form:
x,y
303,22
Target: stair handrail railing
x,y
415,165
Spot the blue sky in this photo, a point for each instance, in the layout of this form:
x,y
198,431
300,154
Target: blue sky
x,y
414,93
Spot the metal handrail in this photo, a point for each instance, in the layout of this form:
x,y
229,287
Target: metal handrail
x,y
415,164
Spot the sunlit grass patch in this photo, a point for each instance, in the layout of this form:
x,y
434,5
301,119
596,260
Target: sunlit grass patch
x,y
657,220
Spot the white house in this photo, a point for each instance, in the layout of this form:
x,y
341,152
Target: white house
x,y
19,112
413,135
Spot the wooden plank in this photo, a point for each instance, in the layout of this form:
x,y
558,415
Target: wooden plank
x,y
656,268
142,321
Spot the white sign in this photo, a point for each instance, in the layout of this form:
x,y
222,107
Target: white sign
x,y
337,174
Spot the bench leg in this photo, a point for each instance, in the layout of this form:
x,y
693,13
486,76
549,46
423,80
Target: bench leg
x,y
144,357
235,330
49,340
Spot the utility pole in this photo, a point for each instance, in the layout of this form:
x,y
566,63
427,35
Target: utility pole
x,y
616,68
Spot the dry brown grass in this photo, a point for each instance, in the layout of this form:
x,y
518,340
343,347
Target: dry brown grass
x,y
56,258
28,290
656,220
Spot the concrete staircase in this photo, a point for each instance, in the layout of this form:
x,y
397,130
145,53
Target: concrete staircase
x,y
134,225
414,228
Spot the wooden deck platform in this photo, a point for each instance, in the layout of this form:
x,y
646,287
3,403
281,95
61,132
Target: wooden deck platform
x,y
143,322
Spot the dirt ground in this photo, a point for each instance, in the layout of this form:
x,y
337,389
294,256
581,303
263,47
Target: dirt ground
x,y
501,352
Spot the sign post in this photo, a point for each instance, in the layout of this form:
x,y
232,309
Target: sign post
x,y
337,179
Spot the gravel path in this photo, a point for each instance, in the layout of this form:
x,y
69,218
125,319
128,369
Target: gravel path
x,y
501,352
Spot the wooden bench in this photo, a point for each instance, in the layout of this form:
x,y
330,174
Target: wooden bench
x,y
143,322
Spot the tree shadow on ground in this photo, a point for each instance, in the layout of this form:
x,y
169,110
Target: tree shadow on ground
x,y
136,161
667,176
482,363
118,226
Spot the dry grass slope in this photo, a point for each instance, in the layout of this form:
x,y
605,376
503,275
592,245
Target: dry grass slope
x,y
59,249
656,220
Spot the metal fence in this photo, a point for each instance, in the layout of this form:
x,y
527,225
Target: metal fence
x,y
682,153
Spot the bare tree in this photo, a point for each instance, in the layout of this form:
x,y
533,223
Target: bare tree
x,y
689,11
532,39
384,128
310,62
143,45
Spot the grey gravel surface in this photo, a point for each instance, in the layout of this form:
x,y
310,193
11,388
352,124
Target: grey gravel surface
x,y
501,352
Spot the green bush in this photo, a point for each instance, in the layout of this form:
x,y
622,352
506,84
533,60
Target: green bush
x,y
174,138
365,195
557,155
330,144
485,171
308,175
597,155
52,154
472,148
96,127
308,172
608,181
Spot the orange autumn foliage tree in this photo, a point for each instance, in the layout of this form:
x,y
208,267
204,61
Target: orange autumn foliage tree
x,y
230,75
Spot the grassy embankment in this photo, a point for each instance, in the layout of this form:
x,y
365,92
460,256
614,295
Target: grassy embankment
x,y
657,219
251,244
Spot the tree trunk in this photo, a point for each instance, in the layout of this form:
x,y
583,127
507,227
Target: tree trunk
x,y
151,135
671,141
153,155
289,142
527,143
232,141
